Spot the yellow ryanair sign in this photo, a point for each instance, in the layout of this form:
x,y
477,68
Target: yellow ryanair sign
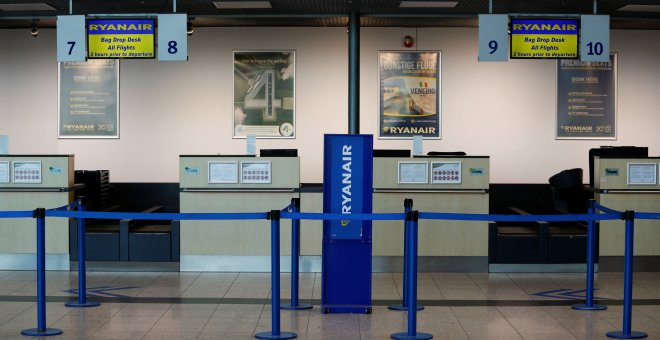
x,y
120,38
544,39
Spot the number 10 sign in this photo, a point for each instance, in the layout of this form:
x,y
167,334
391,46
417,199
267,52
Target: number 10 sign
x,y
493,37
595,40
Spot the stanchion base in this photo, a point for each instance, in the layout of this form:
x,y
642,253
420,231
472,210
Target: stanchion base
x,y
81,305
401,307
631,335
41,332
299,306
583,306
405,336
270,335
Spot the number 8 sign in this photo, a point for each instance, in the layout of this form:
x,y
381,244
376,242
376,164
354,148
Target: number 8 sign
x,y
172,37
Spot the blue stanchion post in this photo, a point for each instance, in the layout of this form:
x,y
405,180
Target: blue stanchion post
x,y
41,330
411,285
627,333
82,270
403,306
591,258
295,261
275,332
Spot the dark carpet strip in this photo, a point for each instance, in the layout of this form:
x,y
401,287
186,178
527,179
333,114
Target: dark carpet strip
x,y
316,302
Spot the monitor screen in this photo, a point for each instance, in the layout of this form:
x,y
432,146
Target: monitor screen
x,y
121,39
544,38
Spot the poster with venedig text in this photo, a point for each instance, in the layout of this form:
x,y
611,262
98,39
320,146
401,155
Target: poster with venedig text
x,y
88,99
586,99
409,94
264,94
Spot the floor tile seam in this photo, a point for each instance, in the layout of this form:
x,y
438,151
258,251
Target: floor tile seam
x,y
231,285
648,315
309,315
451,308
184,291
569,330
515,283
396,285
509,322
261,313
165,273
21,312
437,286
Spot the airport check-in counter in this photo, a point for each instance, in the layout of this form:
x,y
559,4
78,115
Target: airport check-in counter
x,y
28,182
234,184
311,231
628,184
456,184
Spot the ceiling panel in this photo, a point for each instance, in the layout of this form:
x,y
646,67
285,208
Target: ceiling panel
x,y
332,13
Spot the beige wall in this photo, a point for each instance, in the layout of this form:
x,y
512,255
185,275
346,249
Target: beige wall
x,y
505,110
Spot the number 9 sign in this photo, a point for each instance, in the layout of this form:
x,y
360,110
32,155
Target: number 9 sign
x,y
172,37
493,37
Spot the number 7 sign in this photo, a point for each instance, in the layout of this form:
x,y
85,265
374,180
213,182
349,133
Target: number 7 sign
x,y
71,40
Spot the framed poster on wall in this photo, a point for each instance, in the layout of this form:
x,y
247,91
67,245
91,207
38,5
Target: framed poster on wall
x,y
264,94
586,99
409,94
88,100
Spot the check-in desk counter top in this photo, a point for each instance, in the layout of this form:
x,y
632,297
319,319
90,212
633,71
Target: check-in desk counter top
x,y
628,184
28,182
456,184
234,245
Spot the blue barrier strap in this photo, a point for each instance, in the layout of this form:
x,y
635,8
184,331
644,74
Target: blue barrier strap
x,y
156,216
647,216
328,217
16,214
346,217
287,208
517,218
607,210
65,207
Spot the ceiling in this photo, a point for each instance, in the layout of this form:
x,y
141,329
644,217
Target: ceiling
x,y
333,13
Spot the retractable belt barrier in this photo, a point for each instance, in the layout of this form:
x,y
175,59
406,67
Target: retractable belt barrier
x,y
410,218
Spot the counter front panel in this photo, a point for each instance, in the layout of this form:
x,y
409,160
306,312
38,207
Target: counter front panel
x,y
28,182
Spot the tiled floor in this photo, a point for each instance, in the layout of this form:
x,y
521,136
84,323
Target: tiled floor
x,y
162,306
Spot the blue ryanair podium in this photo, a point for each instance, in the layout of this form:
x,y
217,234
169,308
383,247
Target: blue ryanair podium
x,y
346,257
